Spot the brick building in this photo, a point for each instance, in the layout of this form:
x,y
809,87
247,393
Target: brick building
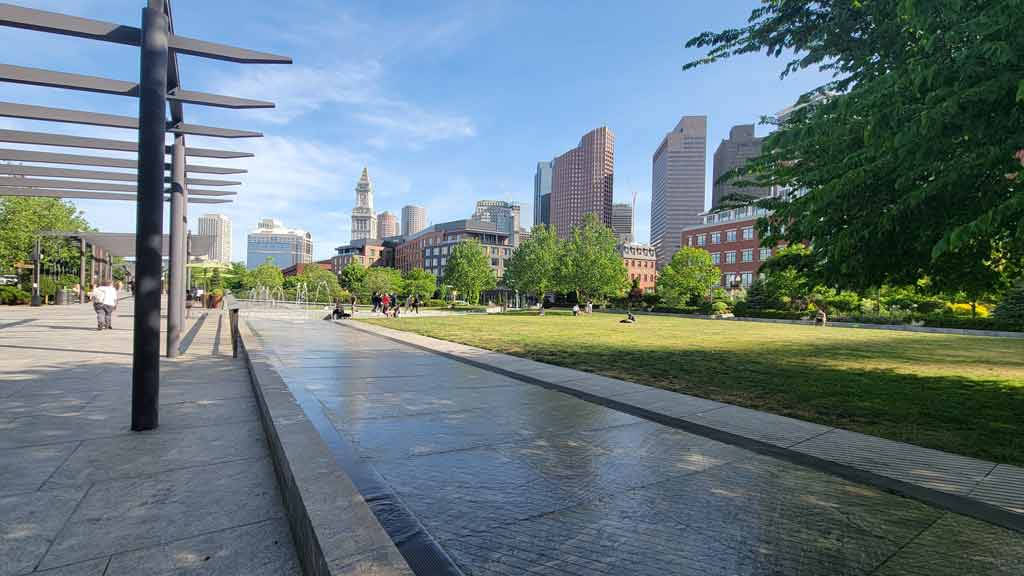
x,y
641,262
368,252
296,269
429,249
731,239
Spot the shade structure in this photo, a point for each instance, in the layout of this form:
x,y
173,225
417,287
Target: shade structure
x,y
159,90
123,243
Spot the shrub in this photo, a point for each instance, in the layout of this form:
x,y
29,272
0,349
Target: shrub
x,y
435,303
11,295
1011,309
719,307
964,309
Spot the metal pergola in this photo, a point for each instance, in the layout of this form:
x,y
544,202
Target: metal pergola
x,y
159,89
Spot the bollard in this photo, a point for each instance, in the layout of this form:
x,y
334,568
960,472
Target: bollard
x,y
233,317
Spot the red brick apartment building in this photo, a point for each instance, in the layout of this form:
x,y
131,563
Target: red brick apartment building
x,y
641,262
731,239
429,248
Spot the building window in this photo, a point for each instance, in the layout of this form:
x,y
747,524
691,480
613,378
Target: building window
x,y
689,240
730,235
730,257
747,255
748,278
716,237
748,233
444,261
494,262
766,253
716,258
701,239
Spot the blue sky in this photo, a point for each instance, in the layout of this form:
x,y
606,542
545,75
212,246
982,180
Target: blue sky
x,y
446,103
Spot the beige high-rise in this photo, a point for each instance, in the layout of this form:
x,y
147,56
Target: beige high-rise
x,y
219,227
387,225
414,219
582,182
679,170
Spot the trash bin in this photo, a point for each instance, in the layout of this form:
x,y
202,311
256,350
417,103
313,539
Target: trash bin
x,y
62,296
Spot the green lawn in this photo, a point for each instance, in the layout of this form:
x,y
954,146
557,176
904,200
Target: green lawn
x,y
963,394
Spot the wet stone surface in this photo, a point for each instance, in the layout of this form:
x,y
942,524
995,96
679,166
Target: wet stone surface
x,y
511,478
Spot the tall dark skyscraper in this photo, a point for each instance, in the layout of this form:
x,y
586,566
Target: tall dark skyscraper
x,y
622,221
679,169
542,193
733,153
582,182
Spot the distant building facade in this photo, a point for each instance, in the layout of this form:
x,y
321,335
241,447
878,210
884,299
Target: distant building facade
x,y
387,225
679,169
641,262
364,219
297,269
430,248
730,236
414,219
542,193
582,181
733,153
218,227
284,246
505,215
622,221
367,252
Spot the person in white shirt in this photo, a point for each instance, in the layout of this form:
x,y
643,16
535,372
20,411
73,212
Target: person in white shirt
x,y
104,301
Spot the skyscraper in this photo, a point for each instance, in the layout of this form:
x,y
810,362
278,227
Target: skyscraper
x,y
622,221
733,153
387,225
542,193
284,246
679,168
582,181
414,219
364,222
503,214
219,227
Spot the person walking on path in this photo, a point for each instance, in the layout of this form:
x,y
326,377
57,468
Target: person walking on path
x,y
416,304
104,300
385,300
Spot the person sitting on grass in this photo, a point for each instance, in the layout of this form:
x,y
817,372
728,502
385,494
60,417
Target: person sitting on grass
x,y
821,319
575,309
630,319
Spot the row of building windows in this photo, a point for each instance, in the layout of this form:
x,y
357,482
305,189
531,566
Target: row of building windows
x,y
745,256
716,237
640,263
745,280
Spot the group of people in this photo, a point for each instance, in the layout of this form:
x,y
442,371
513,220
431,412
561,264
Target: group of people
x,y
589,309
391,306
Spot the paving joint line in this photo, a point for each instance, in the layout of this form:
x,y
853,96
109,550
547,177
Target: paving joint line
x,y
943,500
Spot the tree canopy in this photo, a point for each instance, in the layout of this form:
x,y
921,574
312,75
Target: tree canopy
x,y
352,276
267,275
590,263
419,282
321,285
908,162
688,276
379,281
21,220
532,267
469,270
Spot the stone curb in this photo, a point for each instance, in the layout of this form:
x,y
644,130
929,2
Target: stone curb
x,y
787,438
335,532
861,325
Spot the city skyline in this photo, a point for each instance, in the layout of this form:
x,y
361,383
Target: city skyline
x,y
442,146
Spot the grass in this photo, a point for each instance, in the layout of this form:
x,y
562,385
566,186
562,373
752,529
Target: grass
x,y
962,394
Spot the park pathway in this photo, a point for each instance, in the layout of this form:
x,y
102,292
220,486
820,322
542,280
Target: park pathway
x,y
508,477
82,495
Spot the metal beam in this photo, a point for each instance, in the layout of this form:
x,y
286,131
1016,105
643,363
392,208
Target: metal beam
x,y
204,192
49,114
54,79
12,155
19,182
45,139
86,195
66,80
19,170
43,21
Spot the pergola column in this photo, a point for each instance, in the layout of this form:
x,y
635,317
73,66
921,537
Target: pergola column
x,y
81,271
149,217
176,265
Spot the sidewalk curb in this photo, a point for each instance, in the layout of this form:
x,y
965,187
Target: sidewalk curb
x,y
963,505
334,530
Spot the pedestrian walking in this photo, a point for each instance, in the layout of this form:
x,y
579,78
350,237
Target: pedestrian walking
x,y
385,300
416,304
104,301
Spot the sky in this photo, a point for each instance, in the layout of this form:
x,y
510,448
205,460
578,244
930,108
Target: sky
x,y
444,103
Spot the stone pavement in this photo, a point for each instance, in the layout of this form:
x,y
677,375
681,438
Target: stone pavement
x,y
82,495
509,477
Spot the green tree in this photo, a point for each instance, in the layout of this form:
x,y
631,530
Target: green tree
x,y
216,280
469,270
1011,308
267,275
352,276
23,218
590,263
322,285
380,280
237,278
533,265
689,276
419,282
911,153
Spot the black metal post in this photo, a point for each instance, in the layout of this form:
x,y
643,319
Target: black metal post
x,y
37,256
81,271
149,217
233,319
